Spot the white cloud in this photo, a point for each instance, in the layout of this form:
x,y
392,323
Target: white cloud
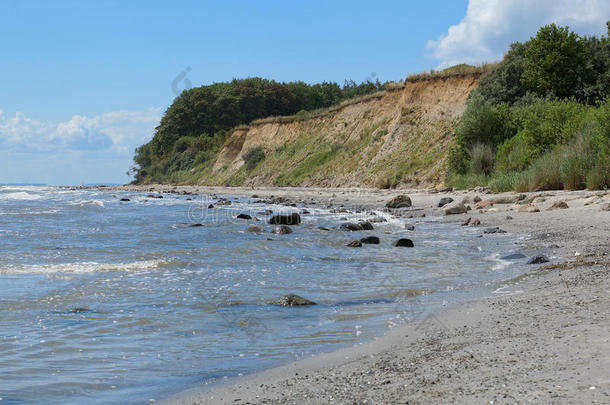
x,y
35,149
490,26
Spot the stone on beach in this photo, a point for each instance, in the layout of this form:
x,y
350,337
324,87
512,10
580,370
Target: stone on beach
x,y
243,216
484,204
528,208
444,201
367,226
400,201
354,243
494,230
455,208
350,226
471,221
374,240
559,205
538,259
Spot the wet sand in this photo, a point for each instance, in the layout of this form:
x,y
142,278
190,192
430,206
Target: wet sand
x,y
544,339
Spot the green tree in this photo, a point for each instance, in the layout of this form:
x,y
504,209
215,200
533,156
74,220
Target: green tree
x,y
553,60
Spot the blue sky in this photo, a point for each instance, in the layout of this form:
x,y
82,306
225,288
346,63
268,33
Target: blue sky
x,y
84,82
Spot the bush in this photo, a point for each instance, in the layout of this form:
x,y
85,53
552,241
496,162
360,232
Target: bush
x,y
457,160
484,123
544,173
481,159
515,154
253,157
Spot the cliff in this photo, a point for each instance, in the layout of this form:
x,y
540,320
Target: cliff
x,y
397,137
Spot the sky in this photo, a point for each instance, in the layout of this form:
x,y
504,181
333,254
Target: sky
x,y
85,82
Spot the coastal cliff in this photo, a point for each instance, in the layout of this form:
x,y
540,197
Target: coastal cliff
x,y
396,137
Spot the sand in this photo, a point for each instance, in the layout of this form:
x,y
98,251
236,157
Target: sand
x,y
546,339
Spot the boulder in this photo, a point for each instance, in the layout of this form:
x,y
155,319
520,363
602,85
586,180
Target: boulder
x,y
444,201
455,208
367,226
354,243
350,226
400,201
476,199
290,219
243,216
282,230
292,300
210,206
124,199
538,259
404,242
559,205
528,208
606,207
409,227
371,240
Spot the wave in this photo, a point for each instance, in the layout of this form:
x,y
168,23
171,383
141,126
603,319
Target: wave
x,y
21,195
82,267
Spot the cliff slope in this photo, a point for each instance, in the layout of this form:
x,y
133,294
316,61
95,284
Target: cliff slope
x,y
398,137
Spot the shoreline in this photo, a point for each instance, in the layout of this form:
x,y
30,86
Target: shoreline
x,y
546,341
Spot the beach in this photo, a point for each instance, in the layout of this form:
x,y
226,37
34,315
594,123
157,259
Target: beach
x,y
543,339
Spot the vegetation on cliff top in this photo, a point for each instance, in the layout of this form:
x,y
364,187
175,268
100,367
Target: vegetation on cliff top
x,y
195,126
540,119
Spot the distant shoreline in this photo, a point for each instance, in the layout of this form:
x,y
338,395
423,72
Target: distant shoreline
x,y
545,340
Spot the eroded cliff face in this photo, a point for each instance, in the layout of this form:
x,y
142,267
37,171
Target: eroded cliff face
x,y
395,138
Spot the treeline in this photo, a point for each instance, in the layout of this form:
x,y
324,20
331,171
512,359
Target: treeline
x,y
194,127
540,119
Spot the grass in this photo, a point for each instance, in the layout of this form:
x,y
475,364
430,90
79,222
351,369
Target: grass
x,y
457,70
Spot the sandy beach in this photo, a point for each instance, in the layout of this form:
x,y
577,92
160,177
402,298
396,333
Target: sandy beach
x,y
544,339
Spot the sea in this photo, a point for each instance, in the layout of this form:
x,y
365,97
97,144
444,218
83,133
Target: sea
x,y
126,297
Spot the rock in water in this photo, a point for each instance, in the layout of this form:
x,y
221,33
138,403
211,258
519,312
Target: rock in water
x,y
254,229
513,256
494,230
455,208
366,226
282,230
292,300
538,259
401,201
290,219
350,226
354,243
243,216
404,242
559,205
409,227
124,199
195,225
373,240
444,201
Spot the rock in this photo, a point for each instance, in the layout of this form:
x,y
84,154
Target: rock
x,y
528,208
505,199
513,256
404,242
400,201
254,196
124,199
254,229
538,259
559,205
367,226
455,208
79,310
476,199
323,228
354,243
243,216
509,217
195,225
290,219
484,204
592,200
210,206
305,212
606,207
471,222
371,240
350,226
465,200
444,201
223,202
494,230
282,230
409,227
292,300
377,220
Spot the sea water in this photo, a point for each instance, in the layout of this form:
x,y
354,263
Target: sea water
x,y
108,301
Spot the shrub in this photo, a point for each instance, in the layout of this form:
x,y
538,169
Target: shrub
x,y
544,173
484,123
253,157
515,154
458,160
183,144
481,159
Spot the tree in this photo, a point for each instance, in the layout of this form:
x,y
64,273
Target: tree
x,y
552,62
